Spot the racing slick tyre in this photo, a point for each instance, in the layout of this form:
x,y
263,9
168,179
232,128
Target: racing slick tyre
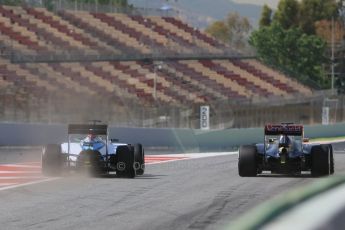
x,y
139,159
89,161
331,169
321,160
125,162
247,161
51,160
331,160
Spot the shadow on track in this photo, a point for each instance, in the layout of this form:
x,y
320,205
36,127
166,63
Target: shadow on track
x,y
145,176
285,176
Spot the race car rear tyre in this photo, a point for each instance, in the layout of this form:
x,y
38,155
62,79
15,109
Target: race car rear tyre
x,y
125,162
51,160
247,161
139,159
332,160
321,162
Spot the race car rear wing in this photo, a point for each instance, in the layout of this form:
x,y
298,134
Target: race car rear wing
x,y
291,130
88,129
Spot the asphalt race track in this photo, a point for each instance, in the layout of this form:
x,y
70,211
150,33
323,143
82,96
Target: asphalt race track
x,y
203,193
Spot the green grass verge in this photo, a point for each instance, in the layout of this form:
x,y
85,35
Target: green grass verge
x,y
266,212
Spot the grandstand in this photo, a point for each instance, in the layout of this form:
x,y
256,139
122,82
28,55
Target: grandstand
x,y
72,65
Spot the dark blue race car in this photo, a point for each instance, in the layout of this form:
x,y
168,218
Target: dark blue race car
x,y
285,151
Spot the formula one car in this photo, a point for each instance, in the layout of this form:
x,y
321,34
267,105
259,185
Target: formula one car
x,y
285,151
89,149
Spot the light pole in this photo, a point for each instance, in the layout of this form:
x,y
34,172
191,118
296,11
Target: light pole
x,y
332,58
155,85
159,66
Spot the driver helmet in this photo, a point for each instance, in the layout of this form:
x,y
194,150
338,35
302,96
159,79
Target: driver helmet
x,y
90,138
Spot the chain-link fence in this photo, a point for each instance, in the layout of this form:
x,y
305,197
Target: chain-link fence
x,y
64,54
19,105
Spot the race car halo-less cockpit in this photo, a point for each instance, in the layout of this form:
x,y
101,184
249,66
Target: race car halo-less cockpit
x,y
89,148
285,151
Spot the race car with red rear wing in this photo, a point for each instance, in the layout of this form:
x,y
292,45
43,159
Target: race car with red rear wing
x,y
285,151
89,149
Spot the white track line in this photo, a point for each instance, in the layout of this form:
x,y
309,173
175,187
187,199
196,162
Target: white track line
x,y
167,161
29,183
194,155
20,172
20,177
31,163
6,184
20,166
187,156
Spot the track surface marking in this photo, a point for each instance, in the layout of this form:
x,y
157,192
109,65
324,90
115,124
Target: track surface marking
x,y
192,193
27,173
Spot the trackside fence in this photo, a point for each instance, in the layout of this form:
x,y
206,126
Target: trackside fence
x,y
155,139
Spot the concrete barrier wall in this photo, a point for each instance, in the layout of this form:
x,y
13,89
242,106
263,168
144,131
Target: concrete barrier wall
x,y
315,131
224,140
179,140
173,140
232,138
31,134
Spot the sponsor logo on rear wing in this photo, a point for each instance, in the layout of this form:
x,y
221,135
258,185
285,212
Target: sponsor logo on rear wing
x,y
87,129
292,130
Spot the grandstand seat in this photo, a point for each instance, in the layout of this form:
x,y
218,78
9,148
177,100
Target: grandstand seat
x,y
62,28
255,88
193,31
180,83
264,76
150,23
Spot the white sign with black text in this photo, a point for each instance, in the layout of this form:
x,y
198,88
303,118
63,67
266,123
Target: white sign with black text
x,y
325,115
205,117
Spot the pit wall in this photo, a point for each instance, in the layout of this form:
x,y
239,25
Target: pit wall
x,y
160,140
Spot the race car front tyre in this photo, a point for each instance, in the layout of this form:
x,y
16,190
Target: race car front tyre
x,y
321,162
247,161
125,162
139,155
51,160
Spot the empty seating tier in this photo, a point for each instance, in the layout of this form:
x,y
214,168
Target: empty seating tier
x,y
170,82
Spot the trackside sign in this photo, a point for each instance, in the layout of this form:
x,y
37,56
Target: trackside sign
x,y
205,117
325,115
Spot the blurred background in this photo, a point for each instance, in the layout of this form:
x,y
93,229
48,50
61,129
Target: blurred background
x,y
154,64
